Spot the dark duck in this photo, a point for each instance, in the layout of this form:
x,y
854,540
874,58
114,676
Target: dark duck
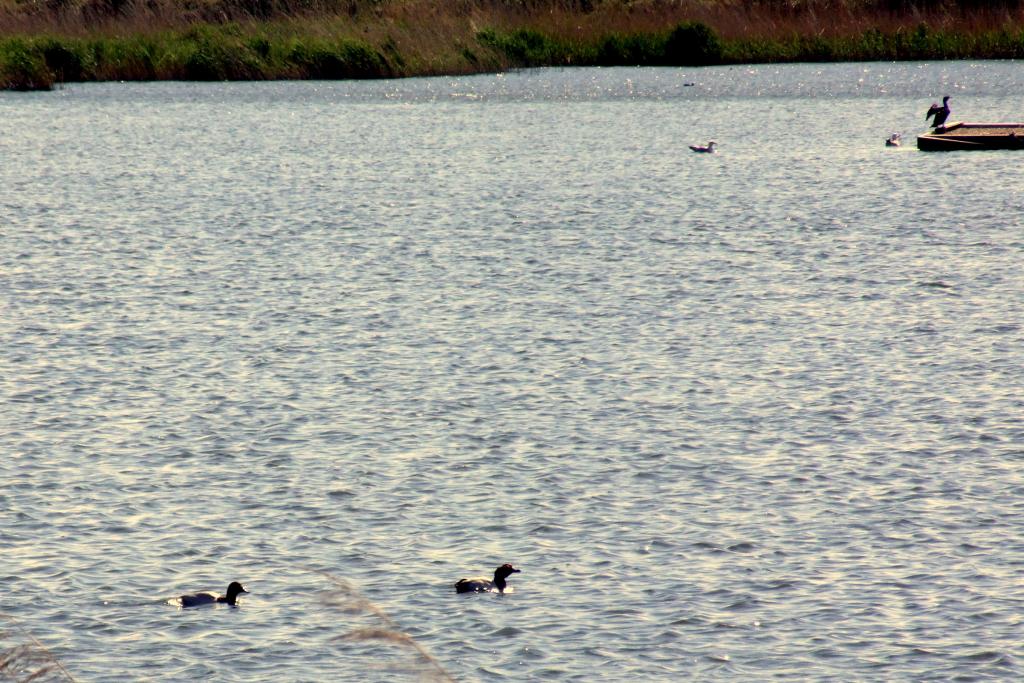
x,y
198,599
940,113
481,584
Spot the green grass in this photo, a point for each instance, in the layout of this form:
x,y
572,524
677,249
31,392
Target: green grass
x,y
695,44
202,53
23,66
687,44
872,45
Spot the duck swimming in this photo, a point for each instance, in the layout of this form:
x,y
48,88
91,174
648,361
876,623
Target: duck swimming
x,y
481,584
234,588
710,149
894,140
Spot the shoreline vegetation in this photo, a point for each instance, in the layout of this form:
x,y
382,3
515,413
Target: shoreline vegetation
x,y
44,43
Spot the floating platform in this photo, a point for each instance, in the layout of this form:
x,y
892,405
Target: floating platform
x,y
964,136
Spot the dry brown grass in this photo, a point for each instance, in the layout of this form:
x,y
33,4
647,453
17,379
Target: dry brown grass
x,y
423,24
24,659
382,630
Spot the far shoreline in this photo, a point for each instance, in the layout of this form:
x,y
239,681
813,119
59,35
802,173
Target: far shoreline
x,y
234,40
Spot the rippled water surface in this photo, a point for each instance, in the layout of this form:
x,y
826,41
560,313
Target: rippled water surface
x,y
747,416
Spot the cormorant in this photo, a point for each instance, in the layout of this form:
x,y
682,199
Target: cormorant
x,y
940,113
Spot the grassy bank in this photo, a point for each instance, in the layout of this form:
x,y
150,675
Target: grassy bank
x,y
45,42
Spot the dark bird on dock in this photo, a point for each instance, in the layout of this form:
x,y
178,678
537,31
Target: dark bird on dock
x,y
940,113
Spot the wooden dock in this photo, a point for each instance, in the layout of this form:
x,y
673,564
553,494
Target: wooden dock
x,y
968,136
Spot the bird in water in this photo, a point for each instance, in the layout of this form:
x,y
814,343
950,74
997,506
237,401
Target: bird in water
x,y
940,113
710,149
894,140
481,584
198,599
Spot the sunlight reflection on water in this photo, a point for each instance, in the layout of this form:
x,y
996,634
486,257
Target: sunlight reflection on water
x,y
744,415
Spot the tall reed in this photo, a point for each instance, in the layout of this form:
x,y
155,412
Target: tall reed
x,y
23,658
344,596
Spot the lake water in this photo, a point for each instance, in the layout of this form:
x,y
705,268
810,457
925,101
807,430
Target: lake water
x,y
756,415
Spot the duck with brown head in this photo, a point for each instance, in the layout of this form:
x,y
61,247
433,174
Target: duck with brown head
x,y
481,584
